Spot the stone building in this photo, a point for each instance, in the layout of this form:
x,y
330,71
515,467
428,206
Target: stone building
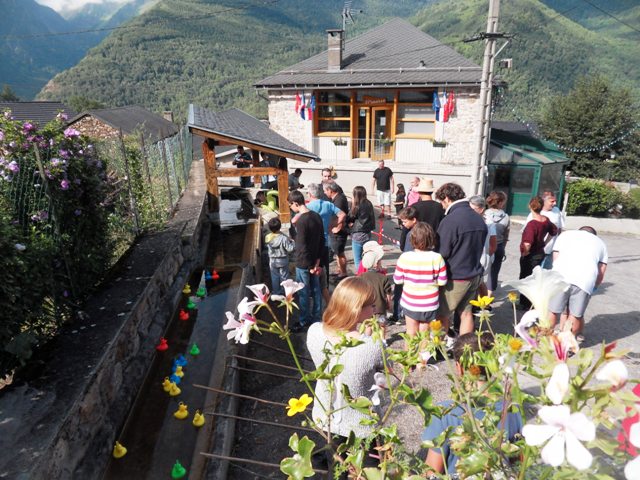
x,y
376,97
131,120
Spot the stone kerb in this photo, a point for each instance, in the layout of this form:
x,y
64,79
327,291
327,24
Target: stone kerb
x,y
63,423
611,225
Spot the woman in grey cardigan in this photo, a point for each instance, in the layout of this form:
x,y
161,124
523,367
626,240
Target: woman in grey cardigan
x,y
352,302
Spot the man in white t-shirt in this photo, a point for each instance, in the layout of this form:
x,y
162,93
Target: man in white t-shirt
x,y
553,213
581,257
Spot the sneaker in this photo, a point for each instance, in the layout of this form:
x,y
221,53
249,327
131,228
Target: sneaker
x,y
449,342
579,338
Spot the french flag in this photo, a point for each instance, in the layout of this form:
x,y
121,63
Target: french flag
x,y
302,107
298,101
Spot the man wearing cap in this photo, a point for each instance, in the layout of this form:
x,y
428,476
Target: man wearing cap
x,y
427,210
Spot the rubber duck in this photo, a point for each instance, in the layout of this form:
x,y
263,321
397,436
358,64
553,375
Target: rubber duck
x,y
207,275
178,471
178,372
187,289
202,292
182,411
195,351
191,305
166,385
198,419
215,275
175,378
180,360
175,390
184,316
163,345
120,451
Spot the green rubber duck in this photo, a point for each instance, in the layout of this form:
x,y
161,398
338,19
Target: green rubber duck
x,y
178,471
202,292
191,305
195,351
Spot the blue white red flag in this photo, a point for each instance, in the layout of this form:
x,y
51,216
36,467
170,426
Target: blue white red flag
x,y
303,107
436,103
311,107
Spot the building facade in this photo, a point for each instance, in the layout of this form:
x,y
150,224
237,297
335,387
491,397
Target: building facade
x,y
393,93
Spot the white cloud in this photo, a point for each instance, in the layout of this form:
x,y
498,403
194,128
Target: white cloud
x,y
66,5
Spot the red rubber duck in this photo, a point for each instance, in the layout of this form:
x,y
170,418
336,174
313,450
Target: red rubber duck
x,y
163,345
184,316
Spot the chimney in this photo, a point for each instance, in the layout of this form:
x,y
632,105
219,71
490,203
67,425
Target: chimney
x,y
334,42
168,115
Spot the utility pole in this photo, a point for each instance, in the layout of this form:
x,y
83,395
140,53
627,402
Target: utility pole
x,y
490,37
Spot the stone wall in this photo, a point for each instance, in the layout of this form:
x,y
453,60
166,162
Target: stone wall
x,y
95,128
284,119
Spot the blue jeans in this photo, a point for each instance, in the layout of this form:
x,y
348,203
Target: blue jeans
x,y
311,289
356,248
279,273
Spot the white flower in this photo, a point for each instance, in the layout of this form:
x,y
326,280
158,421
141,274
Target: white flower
x,y
239,329
290,288
261,291
507,362
527,321
632,469
615,372
245,307
558,385
540,287
20,247
564,432
380,380
563,343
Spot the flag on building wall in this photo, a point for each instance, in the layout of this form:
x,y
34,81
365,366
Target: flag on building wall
x,y
302,107
451,105
436,103
444,115
311,107
297,107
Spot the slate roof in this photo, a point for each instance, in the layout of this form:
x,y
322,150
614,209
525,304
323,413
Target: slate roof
x,y
386,56
37,112
133,119
241,127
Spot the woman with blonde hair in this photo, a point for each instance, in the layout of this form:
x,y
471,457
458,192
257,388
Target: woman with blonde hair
x,y
352,302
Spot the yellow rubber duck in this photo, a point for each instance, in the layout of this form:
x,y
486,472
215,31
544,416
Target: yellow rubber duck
x,y
174,391
182,411
198,419
179,372
166,385
119,451
187,289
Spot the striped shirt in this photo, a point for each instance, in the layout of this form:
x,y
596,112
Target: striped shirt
x,y
422,274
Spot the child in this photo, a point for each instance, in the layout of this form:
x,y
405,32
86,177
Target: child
x,y
376,276
421,272
400,200
279,247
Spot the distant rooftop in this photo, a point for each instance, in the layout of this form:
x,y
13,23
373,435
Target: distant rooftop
x,y
238,126
393,54
37,112
132,119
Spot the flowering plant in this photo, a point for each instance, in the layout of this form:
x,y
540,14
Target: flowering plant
x,y
571,402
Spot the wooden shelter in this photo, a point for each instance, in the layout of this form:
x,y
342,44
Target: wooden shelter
x,y
235,127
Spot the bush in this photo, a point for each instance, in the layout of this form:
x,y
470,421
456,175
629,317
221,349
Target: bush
x,y
591,198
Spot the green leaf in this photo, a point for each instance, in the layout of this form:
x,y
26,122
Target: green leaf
x,y
299,466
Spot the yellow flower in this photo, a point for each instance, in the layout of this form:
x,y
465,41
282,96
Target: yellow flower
x,y
298,405
515,345
435,325
482,302
513,296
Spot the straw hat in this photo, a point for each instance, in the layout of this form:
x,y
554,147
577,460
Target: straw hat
x,y
426,185
372,253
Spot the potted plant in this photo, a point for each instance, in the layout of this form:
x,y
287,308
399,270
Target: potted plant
x,y
339,141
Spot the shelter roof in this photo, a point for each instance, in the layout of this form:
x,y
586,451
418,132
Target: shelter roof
x,y
236,126
40,112
515,147
131,119
394,54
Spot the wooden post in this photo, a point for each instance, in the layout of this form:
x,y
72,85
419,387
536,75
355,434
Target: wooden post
x,y
255,155
209,155
283,192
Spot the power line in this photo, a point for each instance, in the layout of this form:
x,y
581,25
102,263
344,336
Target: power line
x,y
123,27
612,16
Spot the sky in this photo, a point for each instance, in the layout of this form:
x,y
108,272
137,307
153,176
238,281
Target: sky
x,y
62,5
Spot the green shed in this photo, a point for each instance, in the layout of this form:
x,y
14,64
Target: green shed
x,y
523,166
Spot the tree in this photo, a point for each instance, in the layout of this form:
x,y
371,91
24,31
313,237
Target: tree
x,y
80,103
8,95
597,124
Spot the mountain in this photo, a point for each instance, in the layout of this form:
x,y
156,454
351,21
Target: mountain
x,y
556,41
209,52
35,44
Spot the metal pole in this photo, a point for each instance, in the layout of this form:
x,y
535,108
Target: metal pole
x,y
477,178
132,200
166,174
184,168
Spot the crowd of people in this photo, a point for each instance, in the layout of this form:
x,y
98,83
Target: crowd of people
x,y
452,250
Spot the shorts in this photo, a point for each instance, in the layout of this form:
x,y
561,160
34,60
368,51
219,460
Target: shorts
x,y
384,197
456,295
575,298
338,243
422,317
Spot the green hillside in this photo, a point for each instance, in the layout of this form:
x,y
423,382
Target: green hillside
x,y
209,53
549,51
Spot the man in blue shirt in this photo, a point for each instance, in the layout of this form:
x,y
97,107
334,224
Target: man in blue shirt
x,y
511,422
243,160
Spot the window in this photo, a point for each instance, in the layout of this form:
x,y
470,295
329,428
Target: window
x,y
334,112
416,117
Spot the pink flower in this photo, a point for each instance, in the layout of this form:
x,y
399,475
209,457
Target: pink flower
x,y
261,291
380,384
64,184
522,328
290,288
240,329
71,132
563,343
